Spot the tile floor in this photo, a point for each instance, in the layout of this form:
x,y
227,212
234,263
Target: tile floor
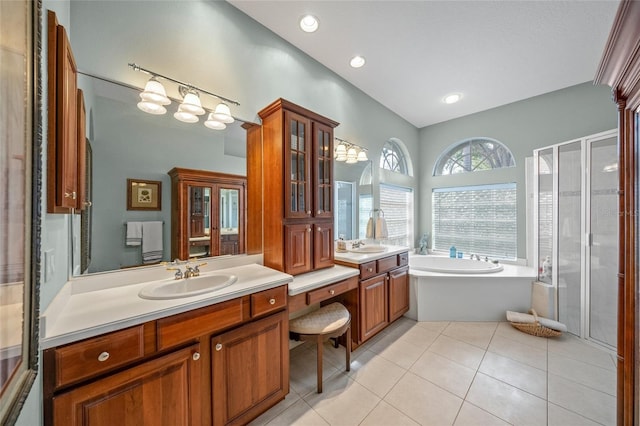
x,y
452,373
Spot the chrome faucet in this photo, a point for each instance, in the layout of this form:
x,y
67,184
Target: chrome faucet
x,y
356,244
190,271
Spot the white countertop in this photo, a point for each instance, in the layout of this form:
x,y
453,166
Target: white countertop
x,y
88,309
320,278
358,258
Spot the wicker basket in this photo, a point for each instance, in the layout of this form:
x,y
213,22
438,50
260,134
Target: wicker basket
x,y
535,328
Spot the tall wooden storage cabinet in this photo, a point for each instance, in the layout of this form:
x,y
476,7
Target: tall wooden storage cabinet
x,y
296,156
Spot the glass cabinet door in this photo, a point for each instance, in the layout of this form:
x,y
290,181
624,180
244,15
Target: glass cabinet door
x,y
200,226
323,148
229,215
297,152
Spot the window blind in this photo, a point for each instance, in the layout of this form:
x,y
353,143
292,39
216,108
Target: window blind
x,y
397,204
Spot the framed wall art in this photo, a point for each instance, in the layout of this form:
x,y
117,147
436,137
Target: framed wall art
x,y
144,194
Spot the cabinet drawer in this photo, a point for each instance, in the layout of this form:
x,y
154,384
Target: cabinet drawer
x,y
403,259
387,263
331,290
268,301
93,356
368,270
193,324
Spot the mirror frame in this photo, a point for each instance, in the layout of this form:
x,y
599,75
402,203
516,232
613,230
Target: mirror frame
x,y
18,387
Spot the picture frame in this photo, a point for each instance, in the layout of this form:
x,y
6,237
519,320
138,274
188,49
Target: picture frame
x,y
144,194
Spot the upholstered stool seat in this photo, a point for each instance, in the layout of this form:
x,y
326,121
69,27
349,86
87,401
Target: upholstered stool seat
x,y
329,321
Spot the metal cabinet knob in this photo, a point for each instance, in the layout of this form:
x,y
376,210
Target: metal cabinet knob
x,y
103,356
332,292
272,301
308,229
319,229
309,213
196,356
319,211
369,269
71,195
88,203
218,346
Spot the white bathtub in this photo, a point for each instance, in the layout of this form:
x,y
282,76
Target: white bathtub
x,y
445,289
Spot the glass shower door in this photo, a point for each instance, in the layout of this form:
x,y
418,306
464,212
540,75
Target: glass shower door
x,y
603,244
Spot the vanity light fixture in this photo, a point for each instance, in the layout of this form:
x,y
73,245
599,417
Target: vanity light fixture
x,y
309,23
154,98
452,98
349,152
357,61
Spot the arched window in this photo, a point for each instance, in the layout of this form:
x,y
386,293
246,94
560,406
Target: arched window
x,y
473,155
392,158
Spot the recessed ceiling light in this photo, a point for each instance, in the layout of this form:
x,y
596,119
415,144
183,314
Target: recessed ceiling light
x,y
452,98
357,61
309,23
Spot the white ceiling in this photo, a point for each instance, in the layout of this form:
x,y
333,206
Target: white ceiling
x,y
494,52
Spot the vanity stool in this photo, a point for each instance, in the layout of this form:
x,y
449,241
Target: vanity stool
x,y
329,321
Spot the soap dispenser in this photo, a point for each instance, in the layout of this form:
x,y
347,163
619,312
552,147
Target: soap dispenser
x,y
452,252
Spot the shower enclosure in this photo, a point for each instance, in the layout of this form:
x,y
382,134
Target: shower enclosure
x,y
576,217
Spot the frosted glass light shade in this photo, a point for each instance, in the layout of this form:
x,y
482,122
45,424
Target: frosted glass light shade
x,y
191,104
222,113
214,124
154,92
151,108
185,117
352,156
362,156
340,152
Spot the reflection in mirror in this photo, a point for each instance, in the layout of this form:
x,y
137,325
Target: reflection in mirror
x,y
229,211
20,168
128,143
353,198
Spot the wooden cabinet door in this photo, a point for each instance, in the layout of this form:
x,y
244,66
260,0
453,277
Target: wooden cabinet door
x,y
297,161
322,170
398,293
373,306
297,249
250,369
323,245
163,391
67,124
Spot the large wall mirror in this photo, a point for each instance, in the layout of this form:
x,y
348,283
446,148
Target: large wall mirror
x,y
20,147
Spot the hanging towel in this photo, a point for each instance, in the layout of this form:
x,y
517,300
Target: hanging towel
x,y
151,242
134,233
370,228
530,319
381,229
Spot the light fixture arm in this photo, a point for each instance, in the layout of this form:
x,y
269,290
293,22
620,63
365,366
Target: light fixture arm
x,y
181,84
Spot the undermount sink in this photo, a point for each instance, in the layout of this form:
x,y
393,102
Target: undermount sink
x,y
368,249
186,287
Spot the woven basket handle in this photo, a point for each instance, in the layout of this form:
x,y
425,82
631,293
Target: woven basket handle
x,y
535,316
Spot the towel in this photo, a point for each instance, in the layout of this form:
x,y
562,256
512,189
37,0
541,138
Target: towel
x,y
152,250
381,228
543,299
370,228
134,233
530,319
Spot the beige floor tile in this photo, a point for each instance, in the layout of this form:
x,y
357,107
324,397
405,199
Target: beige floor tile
x,y
399,351
519,351
475,333
420,337
522,376
336,356
559,416
590,403
435,326
470,415
463,353
300,413
507,402
302,371
423,401
445,373
505,329
399,327
276,410
385,415
376,373
343,401
601,379
576,348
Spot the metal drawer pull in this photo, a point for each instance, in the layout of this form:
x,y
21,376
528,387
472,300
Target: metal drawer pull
x,y
218,346
103,356
332,291
369,269
272,301
196,356
319,229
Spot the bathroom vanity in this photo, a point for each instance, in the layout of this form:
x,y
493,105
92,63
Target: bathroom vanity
x,y
216,358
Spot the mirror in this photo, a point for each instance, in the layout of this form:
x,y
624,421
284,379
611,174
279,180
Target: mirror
x,y
20,217
229,213
353,199
127,143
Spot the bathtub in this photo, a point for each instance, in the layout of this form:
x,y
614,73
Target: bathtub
x,y
446,289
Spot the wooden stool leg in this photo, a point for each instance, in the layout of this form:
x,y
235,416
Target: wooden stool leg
x,y
319,361
348,348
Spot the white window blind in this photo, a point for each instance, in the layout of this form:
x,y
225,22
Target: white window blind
x,y
476,219
397,204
